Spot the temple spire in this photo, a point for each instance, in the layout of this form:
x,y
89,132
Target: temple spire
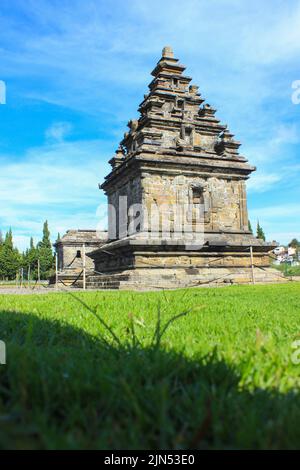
x,y
167,52
168,64
174,118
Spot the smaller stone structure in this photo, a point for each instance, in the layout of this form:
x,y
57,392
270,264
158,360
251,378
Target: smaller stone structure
x,y
70,250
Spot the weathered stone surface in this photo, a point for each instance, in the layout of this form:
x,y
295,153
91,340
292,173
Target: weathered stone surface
x,y
177,155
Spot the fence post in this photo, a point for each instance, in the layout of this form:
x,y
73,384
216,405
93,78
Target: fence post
x,y
56,271
252,264
28,276
39,270
84,266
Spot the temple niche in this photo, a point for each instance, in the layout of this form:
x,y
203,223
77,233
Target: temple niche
x,y
177,196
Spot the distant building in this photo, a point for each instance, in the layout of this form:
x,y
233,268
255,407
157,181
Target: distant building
x,y
286,255
70,250
279,250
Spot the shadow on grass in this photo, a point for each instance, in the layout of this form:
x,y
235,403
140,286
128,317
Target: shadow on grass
x,y
62,388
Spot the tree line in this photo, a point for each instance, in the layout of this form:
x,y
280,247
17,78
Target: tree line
x,y
40,258
259,231
261,235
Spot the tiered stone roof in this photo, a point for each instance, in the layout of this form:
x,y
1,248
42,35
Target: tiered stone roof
x,y
83,236
175,120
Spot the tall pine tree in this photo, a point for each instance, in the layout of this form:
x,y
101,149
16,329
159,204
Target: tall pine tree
x,y
259,232
1,259
45,253
8,242
250,227
30,258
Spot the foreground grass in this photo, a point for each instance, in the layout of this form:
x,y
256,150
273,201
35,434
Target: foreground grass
x,y
221,376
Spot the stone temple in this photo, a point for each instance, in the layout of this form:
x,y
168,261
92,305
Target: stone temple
x,y
176,197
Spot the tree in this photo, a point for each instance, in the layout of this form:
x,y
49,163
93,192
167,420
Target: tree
x,y
260,233
30,258
250,227
9,239
1,246
46,242
10,258
294,243
1,256
45,253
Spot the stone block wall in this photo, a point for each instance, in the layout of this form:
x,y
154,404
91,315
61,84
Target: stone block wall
x,y
125,196
224,201
67,257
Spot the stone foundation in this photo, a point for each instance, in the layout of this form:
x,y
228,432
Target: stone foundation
x,y
152,279
135,263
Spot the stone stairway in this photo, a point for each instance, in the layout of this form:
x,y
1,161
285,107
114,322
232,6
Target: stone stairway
x,y
70,277
102,281
162,279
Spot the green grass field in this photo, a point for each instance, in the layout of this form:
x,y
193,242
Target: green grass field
x,y
220,376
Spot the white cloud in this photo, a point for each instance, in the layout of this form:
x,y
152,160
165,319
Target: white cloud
x,y
58,182
274,159
279,212
85,48
60,173
58,131
22,241
278,33
280,222
284,237
285,134
274,147
260,182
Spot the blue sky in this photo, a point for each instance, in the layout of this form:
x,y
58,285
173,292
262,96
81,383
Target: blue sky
x,y
76,71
